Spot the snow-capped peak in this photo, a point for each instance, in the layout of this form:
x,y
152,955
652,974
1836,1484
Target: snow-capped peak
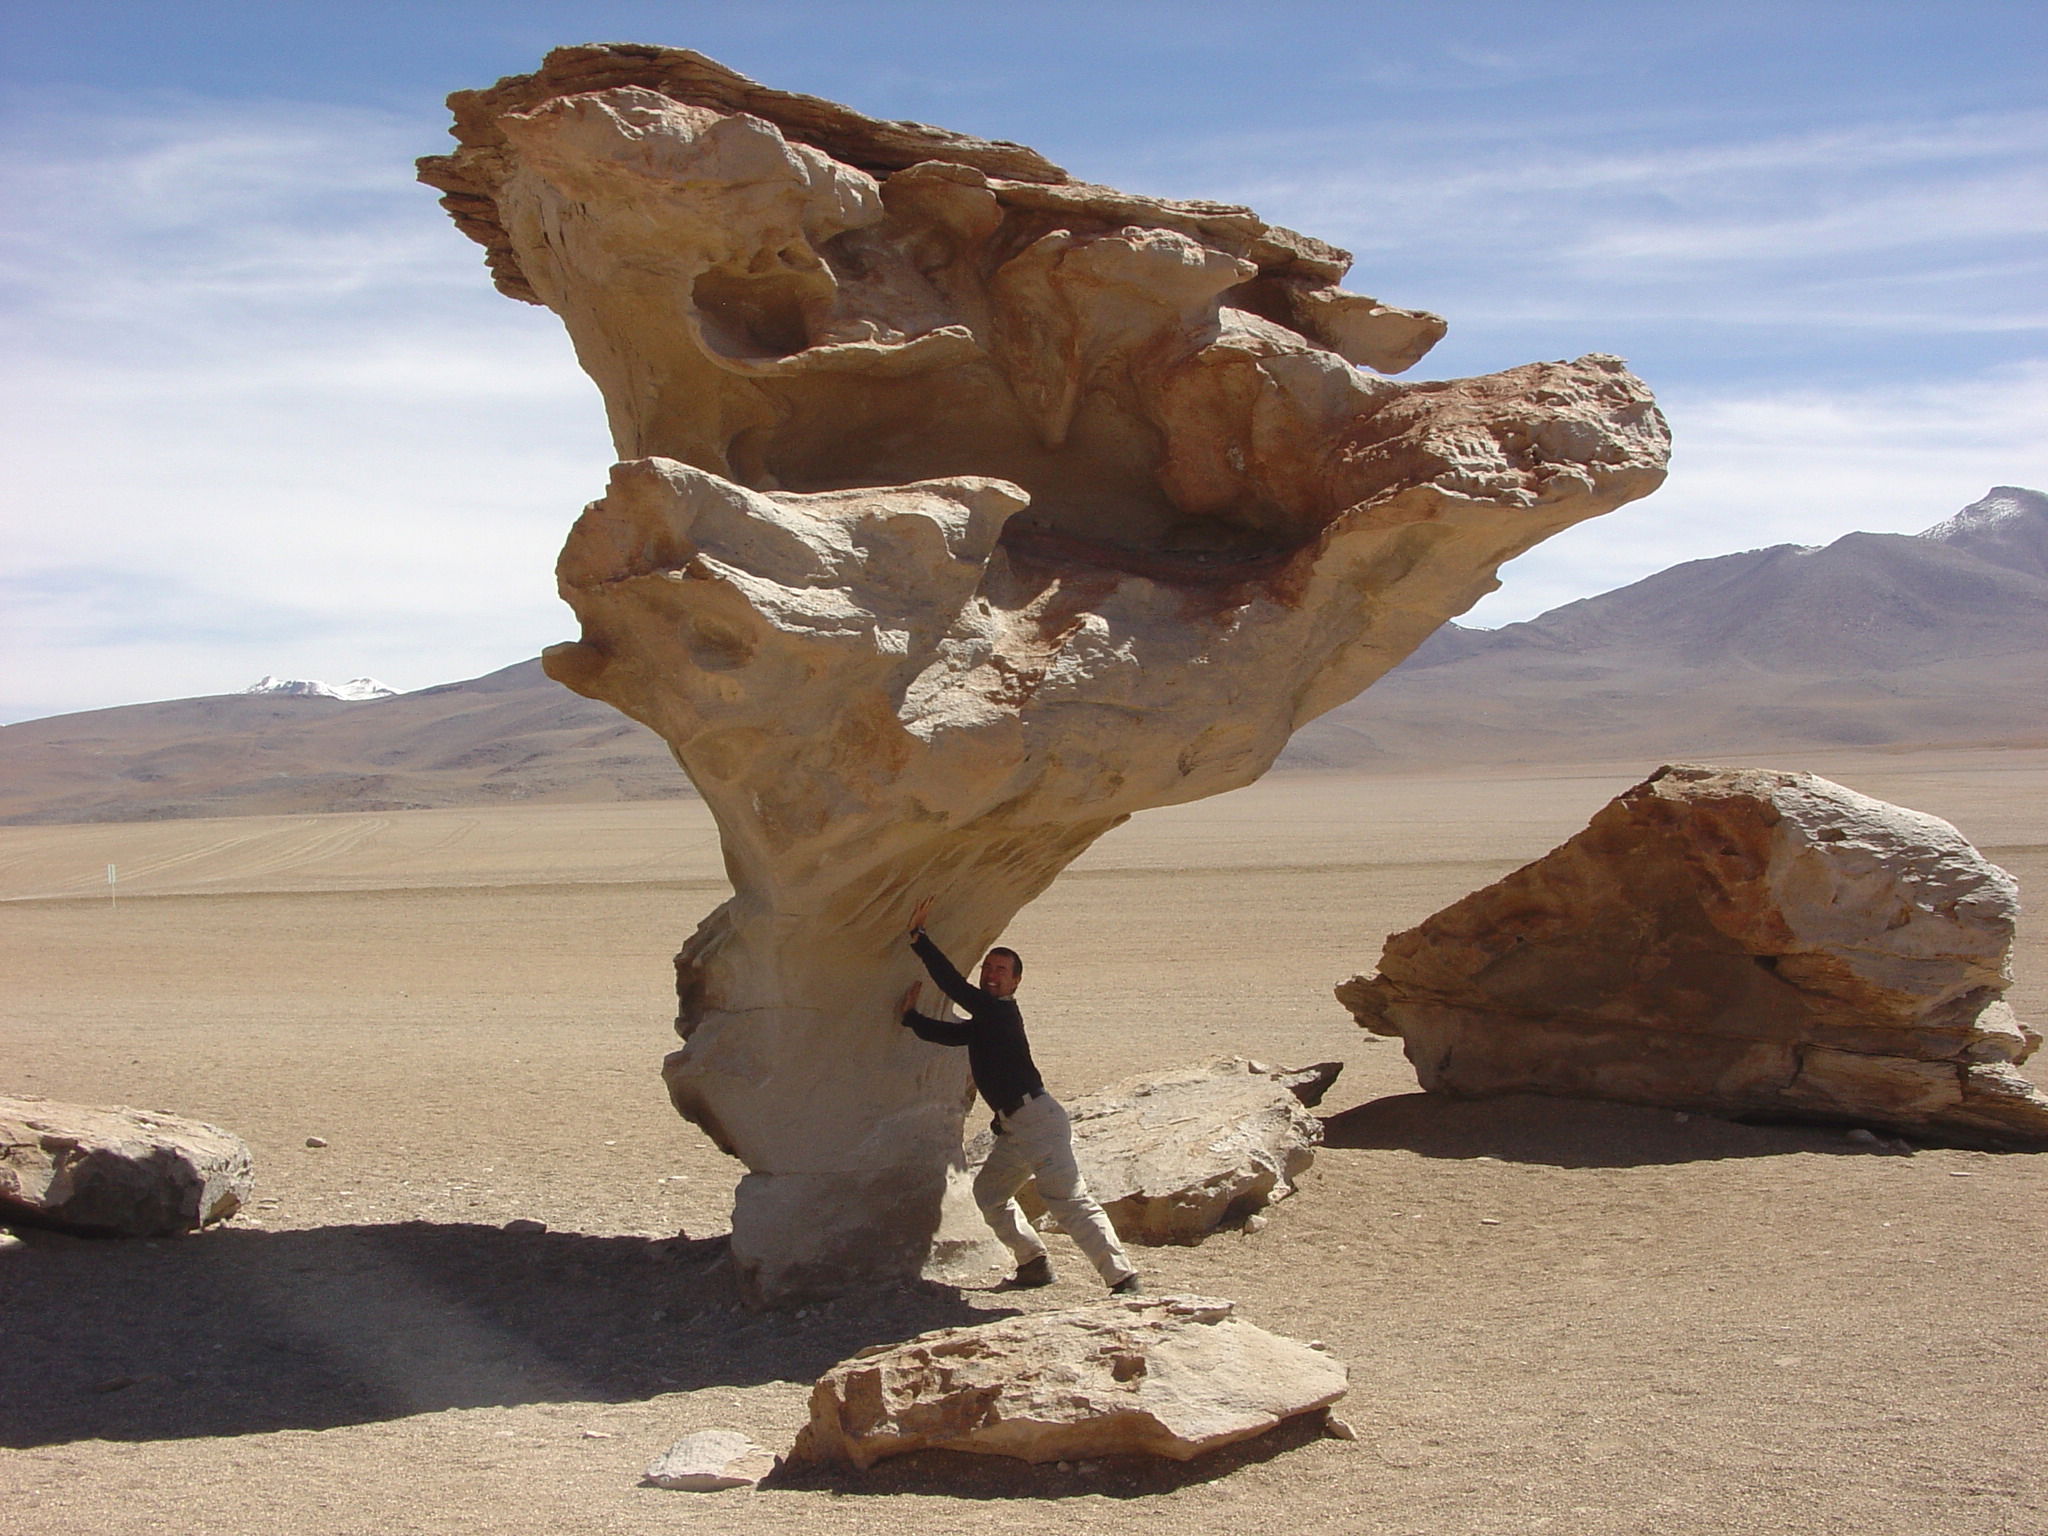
x,y
2003,504
354,690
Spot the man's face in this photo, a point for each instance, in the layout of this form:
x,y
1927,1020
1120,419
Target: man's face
x,y
998,975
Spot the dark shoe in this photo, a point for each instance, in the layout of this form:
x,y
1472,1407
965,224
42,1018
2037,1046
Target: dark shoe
x,y
1128,1286
1033,1273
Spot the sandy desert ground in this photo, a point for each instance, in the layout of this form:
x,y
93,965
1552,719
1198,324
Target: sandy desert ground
x,y
1558,1317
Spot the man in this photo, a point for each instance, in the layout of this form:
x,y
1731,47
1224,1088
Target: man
x,y
1033,1138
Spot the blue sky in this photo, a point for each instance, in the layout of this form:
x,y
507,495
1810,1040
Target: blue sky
x,y
263,412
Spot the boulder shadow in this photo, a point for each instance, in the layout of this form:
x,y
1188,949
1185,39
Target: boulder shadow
x,y
1571,1133
237,1331
966,1475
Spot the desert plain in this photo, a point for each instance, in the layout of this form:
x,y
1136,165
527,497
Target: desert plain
x,y
1558,1316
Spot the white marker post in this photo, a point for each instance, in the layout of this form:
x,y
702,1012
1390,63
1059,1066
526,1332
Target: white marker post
x,y
113,899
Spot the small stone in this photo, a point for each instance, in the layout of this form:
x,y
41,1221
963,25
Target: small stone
x,y
1255,1223
1087,1468
596,1434
1961,1173
709,1460
316,1141
1066,1466
1489,1221
524,1226
1338,1429
9,1241
1863,1136
1682,1118
1317,1344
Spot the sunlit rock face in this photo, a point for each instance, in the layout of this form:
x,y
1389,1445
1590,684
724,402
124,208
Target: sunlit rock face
x,y
1740,941
964,510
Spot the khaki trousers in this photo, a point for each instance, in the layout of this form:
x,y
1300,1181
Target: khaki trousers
x,y
1037,1143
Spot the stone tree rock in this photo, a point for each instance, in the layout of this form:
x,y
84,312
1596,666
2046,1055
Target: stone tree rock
x,y
1737,941
1174,1156
965,509
1169,1376
117,1172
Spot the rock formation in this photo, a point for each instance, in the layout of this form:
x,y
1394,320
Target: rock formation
x,y
708,1461
1173,1156
1742,942
1166,1376
117,1172
965,509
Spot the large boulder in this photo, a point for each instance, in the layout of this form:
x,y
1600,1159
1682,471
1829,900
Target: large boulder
x,y
1173,1156
117,1172
1738,941
1169,1376
964,510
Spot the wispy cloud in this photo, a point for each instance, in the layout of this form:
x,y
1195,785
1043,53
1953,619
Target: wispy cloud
x,y
1722,220
263,413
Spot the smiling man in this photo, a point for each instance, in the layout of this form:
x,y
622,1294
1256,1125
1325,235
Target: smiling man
x,y
1033,1138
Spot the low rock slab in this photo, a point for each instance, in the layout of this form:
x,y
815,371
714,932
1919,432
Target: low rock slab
x,y
1744,942
1174,1156
709,1460
1170,1376
117,1172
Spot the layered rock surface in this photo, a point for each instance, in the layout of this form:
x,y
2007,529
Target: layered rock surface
x,y
965,509
117,1172
1170,1376
1737,941
1174,1156
710,1460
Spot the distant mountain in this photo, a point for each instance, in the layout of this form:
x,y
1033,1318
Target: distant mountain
x,y
510,736
1874,640
356,688
2009,527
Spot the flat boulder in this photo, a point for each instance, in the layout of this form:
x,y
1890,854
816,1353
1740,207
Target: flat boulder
x,y
708,1461
1749,943
1170,1376
1174,1156
117,1172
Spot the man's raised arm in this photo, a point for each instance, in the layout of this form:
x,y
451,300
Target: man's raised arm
x,y
940,969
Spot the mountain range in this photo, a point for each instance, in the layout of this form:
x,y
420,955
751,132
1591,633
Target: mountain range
x,y
1875,640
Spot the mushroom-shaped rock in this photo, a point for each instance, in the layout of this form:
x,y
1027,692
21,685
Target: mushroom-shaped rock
x,y
1170,1376
1738,941
1174,1156
117,1172
965,509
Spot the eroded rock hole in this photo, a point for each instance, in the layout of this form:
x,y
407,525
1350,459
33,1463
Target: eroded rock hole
x,y
749,316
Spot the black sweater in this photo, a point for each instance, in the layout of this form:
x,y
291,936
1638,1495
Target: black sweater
x,y
997,1052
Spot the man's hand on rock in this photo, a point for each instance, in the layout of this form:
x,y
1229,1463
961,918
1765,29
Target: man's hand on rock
x,y
910,998
917,916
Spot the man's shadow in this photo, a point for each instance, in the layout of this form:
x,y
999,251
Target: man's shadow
x,y
236,1331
